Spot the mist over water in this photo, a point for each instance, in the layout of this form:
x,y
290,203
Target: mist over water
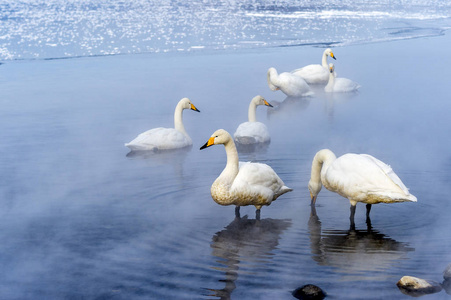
x,y
82,218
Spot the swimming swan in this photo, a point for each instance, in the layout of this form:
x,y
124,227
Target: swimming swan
x,y
339,85
358,177
316,74
243,183
165,138
253,132
289,84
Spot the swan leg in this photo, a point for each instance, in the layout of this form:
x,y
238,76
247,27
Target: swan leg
x,y
351,217
257,214
237,212
368,209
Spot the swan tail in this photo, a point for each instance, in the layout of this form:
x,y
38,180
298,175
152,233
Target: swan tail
x,y
282,191
138,147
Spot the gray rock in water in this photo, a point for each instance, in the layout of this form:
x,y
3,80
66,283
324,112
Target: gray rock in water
x,y
415,287
447,272
309,292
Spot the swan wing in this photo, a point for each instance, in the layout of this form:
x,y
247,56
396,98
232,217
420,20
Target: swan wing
x,y
312,74
345,85
388,171
259,180
252,132
359,177
159,139
293,85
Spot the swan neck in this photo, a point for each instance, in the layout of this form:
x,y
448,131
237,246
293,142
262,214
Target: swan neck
x,y
324,60
273,79
232,166
320,164
331,81
178,122
252,114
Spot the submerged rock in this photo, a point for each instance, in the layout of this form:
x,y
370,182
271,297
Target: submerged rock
x,y
447,272
447,286
309,292
414,286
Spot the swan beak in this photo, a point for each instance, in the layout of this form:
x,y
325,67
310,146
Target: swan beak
x,y
194,108
313,199
333,56
268,104
210,142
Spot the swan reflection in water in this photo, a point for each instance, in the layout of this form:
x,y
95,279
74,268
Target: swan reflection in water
x,y
331,99
163,158
247,241
290,105
357,253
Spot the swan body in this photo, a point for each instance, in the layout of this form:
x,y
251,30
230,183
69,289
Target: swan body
x,y
358,177
339,85
316,73
289,84
243,183
165,138
253,132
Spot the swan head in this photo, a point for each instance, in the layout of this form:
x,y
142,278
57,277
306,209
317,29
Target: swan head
x,y
314,188
187,104
220,136
272,72
329,52
259,100
331,68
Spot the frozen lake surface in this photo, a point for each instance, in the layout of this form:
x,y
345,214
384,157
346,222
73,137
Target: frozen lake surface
x,y
80,218
39,29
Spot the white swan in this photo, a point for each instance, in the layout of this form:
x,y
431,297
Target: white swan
x,y
165,138
289,84
316,74
339,85
243,183
253,132
358,177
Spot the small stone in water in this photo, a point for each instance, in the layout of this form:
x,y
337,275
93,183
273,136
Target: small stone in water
x,y
414,286
309,292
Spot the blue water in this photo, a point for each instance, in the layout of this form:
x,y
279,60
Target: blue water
x,y
55,29
80,218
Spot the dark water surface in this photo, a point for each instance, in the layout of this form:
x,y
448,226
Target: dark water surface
x,y
79,219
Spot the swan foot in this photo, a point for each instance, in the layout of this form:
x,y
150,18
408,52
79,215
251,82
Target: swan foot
x,y
237,212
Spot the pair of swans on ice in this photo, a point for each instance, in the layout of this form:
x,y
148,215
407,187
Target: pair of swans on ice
x,y
296,83
358,177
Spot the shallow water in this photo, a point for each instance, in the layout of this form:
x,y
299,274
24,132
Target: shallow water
x,y
82,219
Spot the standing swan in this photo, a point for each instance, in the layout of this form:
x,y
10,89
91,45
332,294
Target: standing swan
x,y
253,132
165,138
243,183
316,74
339,85
291,85
358,177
